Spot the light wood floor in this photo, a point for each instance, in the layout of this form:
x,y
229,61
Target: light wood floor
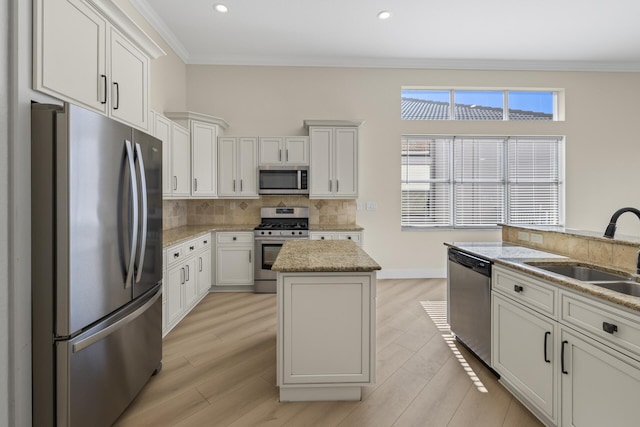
x,y
219,369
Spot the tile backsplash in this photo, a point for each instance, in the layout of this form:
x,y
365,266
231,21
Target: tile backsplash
x,y
238,211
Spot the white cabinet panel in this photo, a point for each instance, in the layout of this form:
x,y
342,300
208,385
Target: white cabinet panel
x,y
162,131
238,167
333,166
180,161
600,386
296,150
203,267
283,150
227,166
234,265
129,82
204,159
175,281
248,167
346,161
523,353
70,52
270,150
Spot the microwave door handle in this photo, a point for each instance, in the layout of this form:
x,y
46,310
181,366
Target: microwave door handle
x,y
299,180
145,212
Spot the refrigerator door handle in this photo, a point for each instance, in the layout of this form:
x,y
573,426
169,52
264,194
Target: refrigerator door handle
x,y
82,344
145,213
134,196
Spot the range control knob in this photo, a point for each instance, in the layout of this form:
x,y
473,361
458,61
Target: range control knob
x,y
269,233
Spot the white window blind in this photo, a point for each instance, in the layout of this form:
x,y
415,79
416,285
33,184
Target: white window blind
x,y
450,181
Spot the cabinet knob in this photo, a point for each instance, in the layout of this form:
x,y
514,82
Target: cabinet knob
x,y
176,254
191,248
609,328
322,238
235,238
349,237
518,288
205,242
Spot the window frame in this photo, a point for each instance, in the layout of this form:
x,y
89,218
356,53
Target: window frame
x,y
556,113
506,184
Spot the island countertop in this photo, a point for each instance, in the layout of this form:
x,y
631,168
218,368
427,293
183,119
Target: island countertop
x,y
323,256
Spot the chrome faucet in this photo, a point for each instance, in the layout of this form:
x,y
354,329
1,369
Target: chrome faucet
x,y
611,228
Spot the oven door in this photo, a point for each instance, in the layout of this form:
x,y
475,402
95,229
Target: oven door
x,y
266,253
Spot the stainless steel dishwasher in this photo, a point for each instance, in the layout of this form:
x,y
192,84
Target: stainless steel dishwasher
x,y
469,302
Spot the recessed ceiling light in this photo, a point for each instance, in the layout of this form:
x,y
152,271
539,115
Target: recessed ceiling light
x,y
221,8
384,15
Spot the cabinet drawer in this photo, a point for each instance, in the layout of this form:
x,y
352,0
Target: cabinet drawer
x,y
203,241
190,246
174,254
531,292
356,237
593,318
227,237
321,236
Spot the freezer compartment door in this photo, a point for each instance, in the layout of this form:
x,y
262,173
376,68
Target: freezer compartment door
x,y
101,371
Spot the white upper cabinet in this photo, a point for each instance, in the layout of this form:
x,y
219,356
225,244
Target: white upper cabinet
x,y
162,131
70,52
180,161
238,167
204,133
129,82
284,150
333,170
93,55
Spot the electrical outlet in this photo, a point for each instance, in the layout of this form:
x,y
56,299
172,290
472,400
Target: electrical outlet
x,y
536,238
523,235
372,206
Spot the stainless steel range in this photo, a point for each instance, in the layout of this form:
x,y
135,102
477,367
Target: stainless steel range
x,y
278,225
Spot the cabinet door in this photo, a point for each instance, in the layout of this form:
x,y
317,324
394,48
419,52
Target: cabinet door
x,y
326,335
203,268
227,166
129,82
234,265
180,161
190,282
270,150
247,167
296,150
322,235
346,162
601,386
519,340
175,281
320,172
70,52
203,160
162,131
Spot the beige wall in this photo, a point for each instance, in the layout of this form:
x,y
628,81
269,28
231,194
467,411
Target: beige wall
x,y
603,155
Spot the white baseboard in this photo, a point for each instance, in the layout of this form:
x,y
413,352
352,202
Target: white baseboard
x,y
427,273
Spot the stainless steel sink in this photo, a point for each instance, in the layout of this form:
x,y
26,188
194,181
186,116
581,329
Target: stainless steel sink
x,y
626,287
581,272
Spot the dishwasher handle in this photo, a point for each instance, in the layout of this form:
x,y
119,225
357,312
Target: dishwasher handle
x,y
479,265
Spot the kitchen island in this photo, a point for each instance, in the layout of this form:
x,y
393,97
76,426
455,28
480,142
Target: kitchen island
x,y
326,295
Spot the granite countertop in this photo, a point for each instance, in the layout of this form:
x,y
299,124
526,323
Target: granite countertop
x,y
323,256
524,259
335,227
593,235
180,234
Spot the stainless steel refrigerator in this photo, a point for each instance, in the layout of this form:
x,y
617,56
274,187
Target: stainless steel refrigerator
x,y
96,265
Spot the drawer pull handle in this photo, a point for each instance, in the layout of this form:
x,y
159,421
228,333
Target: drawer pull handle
x,y
235,238
518,288
609,328
206,241
562,358
176,254
546,335
191,248
322,238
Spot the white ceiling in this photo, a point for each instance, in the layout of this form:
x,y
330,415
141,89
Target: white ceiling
x,y
476,34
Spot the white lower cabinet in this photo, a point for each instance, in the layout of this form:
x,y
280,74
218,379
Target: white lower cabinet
x,y
187,278
356,236
600,386
326,335
566,370
523,354
234,259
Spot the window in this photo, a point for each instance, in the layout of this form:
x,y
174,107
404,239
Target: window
x,y
476,182
426,104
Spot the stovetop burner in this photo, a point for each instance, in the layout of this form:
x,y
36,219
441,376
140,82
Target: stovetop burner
x,y
283,222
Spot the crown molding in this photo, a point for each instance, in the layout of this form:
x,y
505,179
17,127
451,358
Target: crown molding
x,y
161,27
119,19
191,115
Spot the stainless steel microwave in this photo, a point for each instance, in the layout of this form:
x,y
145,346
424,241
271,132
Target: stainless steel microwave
x,y
283,180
